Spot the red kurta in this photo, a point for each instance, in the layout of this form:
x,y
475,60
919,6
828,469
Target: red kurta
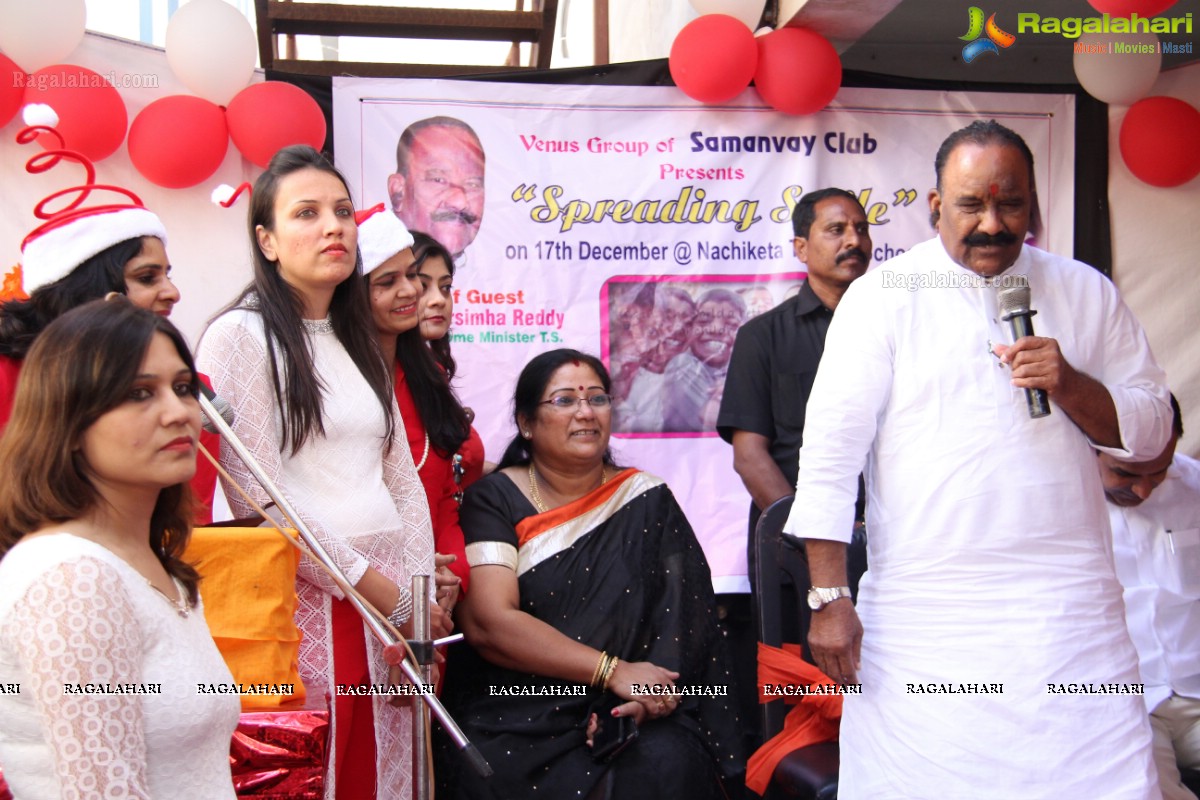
x,y
437,476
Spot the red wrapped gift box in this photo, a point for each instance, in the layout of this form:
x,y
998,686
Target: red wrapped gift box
x,y
281,754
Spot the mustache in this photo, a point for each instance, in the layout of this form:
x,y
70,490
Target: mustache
x,y
1003,238
854,251
450,215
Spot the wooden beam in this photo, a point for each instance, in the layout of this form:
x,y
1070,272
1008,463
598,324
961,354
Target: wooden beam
x,y
330,19
600,28
373,69
543,46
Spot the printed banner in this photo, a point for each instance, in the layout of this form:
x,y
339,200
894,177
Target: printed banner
x,y
632,223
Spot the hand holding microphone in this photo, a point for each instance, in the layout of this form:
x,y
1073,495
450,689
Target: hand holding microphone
x,y
1014,302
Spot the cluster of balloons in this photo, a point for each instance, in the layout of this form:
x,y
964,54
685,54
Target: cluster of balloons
x,y
181,140
35,38
1158,134
176,141
715,56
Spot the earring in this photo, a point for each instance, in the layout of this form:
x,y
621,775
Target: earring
x,y
525,434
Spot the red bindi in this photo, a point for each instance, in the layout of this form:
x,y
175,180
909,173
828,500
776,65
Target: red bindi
x,y
994,189
581,388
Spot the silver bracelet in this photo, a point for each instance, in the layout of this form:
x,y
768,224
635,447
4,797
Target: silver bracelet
x,y
403,609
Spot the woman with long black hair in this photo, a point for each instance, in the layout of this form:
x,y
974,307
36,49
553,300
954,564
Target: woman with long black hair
x,y
313,402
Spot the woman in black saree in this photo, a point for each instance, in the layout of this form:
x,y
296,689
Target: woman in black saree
x,y
588,590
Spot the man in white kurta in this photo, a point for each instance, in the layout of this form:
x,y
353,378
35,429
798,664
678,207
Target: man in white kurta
x,y
992,651
1154,508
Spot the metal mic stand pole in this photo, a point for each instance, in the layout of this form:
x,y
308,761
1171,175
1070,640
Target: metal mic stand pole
x,y
423,649
378,626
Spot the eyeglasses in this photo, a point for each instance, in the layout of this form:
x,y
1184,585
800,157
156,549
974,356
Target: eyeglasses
x,y
565,402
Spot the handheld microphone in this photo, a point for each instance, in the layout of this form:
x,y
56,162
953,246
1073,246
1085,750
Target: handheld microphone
x,y
1014,309
219,405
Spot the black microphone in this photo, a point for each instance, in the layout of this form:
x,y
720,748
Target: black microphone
x,y
1014,309
219,404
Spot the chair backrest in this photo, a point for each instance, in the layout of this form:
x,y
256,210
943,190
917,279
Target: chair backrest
x,y
782,581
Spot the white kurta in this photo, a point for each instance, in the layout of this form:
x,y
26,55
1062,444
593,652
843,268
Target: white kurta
x,y
1157,547
73,614
989,552
367,508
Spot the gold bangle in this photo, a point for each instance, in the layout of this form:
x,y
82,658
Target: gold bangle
x,y
608,673
604,671
599,670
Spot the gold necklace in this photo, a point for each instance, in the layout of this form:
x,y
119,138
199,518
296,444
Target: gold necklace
x,y
536,496
180,603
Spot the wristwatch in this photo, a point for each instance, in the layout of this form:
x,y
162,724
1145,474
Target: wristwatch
x,y
818,597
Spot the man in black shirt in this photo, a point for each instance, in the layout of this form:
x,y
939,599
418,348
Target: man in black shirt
x,y
775,355
770,375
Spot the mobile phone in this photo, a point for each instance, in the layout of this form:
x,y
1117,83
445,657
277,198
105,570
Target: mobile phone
x,y
613,734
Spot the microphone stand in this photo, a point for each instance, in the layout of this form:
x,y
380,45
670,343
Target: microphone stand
x,y
380,627
424,653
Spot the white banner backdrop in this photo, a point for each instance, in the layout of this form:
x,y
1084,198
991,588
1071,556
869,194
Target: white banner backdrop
x,y
598,200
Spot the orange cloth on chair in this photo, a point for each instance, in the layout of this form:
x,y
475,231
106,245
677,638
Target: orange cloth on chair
x,y
815,717
248,585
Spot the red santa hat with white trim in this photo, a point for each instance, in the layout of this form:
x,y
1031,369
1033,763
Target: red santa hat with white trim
x,y
381,235
74,233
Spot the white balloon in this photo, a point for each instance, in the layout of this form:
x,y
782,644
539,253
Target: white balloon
x,y
1117,68
38,34
763,31
748,11
211,49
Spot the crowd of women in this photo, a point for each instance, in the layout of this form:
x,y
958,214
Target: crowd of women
x,y
577,582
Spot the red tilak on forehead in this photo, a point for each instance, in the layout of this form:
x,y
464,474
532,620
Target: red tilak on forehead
x,y
994,189
581,388
575,361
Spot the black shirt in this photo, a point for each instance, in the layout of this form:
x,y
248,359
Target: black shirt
x,y
771,374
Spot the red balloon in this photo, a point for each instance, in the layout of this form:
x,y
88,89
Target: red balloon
x,y
265,117
91,114
798,72
1123,8
713,58
1158,141
12,89
178,141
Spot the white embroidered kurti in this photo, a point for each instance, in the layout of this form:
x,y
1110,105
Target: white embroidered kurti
x,y
366,507
1157,548
989,551
106,676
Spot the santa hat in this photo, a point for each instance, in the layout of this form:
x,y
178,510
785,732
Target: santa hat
x,y
381,235
74,233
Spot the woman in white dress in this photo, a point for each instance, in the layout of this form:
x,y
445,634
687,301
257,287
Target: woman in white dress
x,y
296,358
103,642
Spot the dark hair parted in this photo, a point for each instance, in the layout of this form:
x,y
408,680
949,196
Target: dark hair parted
x,y
81,367
429,369
282,309
805,212
425,247
1177,425
527,397
22,320
405,142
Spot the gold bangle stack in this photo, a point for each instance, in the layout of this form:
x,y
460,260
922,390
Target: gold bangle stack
x,y
605,668
599,669
608,672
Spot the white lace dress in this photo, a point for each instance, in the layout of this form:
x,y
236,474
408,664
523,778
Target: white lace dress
x,y
106,675
367,508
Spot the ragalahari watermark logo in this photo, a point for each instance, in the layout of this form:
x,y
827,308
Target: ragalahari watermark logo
x,y
983,37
